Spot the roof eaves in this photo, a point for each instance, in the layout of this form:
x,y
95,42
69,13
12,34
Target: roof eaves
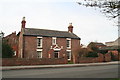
x,y
51,36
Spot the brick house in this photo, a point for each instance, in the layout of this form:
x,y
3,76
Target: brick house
x,y
97,44
12,40
42,43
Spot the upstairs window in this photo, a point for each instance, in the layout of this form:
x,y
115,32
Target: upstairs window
x,y
68,43
39,42
53,40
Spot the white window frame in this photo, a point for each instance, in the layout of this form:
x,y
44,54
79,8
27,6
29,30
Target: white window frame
x,y
14,53
39,50
54,42
40,42
69,55
69,42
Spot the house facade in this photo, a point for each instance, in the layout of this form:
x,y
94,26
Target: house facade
x,y
42,43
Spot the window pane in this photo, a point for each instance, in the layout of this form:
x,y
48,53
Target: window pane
x,y
68,43
53,41
55,54
39,53
39,42
68,55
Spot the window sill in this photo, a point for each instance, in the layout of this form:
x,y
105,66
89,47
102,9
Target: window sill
x,y
69,59
68,47
53,44
39,47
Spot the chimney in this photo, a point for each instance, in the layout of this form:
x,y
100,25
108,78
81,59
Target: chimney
x,y
70,28
23,22
14,32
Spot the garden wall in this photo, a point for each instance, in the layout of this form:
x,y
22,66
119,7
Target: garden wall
x,y
100,58
20,61
115,56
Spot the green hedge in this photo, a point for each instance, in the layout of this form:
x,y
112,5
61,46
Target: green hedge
x,y
69,62
92,54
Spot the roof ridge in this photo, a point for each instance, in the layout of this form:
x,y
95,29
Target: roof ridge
x,y
46,29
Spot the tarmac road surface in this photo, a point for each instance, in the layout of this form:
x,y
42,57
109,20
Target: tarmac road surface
x,y
104,71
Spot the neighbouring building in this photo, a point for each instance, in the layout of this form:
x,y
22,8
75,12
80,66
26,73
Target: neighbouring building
x,y
97,44
114,43
43,43
114,48
12,40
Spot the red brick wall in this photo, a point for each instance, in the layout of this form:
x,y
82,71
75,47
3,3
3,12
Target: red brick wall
x,y
47,42
75,46
24,61
113,51
62,42
100,58
30,46
108,57
20,45
115,55
12,39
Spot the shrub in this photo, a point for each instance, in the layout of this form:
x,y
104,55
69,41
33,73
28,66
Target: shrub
x,y
92,54
113,57
69,62
7,51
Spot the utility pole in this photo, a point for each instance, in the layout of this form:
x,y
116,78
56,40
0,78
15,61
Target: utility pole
x,y
118,29
118,20
2,34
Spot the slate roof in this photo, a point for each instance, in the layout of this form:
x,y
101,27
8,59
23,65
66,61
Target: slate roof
x,y
49,33
110,48
97,44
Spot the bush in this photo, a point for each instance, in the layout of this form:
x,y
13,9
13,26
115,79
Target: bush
x,y
7,51
113,57
92,54
69,62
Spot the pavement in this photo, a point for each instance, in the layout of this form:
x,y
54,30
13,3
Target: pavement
x,y
4,68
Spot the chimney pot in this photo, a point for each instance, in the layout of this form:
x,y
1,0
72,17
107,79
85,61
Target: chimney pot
x,y
70,28
70,24
23,18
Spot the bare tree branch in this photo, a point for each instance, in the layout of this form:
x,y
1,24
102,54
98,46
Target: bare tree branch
x,y
108,7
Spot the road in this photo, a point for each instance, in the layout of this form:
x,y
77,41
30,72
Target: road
x,y
104,71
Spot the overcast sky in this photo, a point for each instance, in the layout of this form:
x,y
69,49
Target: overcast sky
x,y
89,24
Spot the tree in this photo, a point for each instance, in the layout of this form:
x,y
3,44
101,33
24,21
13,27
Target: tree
x,y
109,7
7,51
82,52
93,47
